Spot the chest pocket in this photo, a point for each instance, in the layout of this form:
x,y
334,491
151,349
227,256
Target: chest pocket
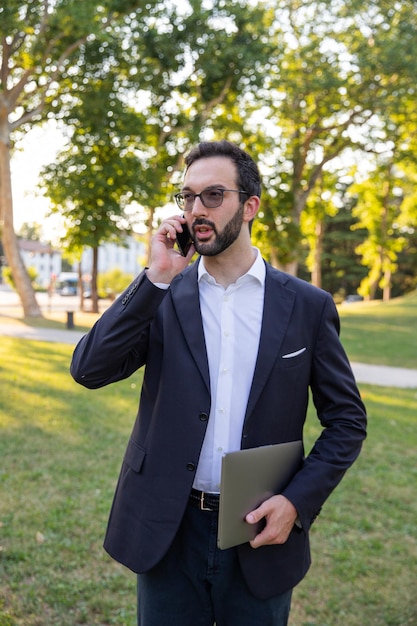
x,y
292,359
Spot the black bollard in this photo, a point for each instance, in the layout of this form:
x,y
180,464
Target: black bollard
x,y
70,320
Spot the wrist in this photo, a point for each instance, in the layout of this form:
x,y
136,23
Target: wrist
x,y
159,279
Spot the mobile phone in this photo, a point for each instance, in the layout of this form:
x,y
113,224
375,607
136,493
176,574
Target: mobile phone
x,y
184,240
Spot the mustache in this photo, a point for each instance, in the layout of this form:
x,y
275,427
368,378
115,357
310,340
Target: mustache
x,y
201,221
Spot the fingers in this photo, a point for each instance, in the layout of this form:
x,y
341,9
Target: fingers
x,y
262,511
169,233
166,261
170,226
279,515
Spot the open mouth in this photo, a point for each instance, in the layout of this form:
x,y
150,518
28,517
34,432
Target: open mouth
x,y
202,232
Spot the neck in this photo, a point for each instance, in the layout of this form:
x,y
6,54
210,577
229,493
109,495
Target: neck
x,y
230,265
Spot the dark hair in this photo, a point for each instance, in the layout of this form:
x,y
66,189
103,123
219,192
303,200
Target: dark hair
x,y
248,178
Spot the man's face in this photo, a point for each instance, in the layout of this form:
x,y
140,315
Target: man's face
x,y
214,230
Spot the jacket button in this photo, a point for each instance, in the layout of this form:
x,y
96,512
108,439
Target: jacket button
x,y
203,417
191,467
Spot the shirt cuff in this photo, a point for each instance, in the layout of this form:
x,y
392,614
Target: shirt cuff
x,y
159,285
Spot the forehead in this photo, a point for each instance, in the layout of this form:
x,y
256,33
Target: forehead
x,y
211,171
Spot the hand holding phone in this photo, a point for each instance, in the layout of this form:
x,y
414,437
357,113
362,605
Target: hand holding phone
x,y
184,241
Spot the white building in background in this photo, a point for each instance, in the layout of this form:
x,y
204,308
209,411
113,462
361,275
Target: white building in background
x,y
47,261
128,259
43,258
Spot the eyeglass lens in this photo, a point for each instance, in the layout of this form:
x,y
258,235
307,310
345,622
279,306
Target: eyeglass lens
x,y
210,198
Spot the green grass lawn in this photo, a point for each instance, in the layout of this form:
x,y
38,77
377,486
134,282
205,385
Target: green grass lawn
x,y
383,333
61,447
364,543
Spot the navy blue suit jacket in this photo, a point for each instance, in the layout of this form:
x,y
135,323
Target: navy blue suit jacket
x,y
299,350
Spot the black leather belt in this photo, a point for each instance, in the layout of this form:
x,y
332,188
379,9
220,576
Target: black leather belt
x,y
204,501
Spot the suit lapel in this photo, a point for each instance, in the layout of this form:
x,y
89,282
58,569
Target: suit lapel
x,y
187,307
278,304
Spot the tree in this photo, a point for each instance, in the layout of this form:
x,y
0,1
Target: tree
x,y
113,282
340,266
337,70
378,210
312,224
41,43
298,84
129,128
93,180
30,231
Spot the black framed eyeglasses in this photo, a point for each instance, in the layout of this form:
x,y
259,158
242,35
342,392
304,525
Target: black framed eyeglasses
x,y
210,198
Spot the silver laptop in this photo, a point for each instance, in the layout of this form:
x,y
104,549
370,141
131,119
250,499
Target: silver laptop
x,y
248,478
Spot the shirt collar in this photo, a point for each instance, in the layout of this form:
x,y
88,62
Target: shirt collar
x,y
256,271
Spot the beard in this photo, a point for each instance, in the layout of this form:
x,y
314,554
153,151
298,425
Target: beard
x,y
222,240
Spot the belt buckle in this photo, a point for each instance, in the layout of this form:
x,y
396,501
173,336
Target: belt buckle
x,y
202,507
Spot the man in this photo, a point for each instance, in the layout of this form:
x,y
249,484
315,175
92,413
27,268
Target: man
x,y
231,347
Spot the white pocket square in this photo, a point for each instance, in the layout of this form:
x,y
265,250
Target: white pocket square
x,y
291,355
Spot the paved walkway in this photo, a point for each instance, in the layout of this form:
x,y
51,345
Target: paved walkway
x,y
385,376
40,334
371,374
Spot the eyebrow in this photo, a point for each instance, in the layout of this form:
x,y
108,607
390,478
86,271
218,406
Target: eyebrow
x,y
219,186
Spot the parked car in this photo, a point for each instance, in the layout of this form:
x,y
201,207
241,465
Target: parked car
x,y
68,290
353,298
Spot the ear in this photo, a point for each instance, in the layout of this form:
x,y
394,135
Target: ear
x,y
251,208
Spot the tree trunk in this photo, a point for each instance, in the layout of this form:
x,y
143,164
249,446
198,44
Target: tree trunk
x,y
386,292
274,259
316,275
299,203
94,273
291,267
81,285
149,234
374,278
10,244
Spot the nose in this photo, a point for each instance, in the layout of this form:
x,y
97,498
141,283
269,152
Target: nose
x,y
198,207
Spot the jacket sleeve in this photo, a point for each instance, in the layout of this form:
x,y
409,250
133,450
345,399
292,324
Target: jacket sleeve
x,y
116,345
342,416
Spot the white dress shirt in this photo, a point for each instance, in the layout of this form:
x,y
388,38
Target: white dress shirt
x,y
232,320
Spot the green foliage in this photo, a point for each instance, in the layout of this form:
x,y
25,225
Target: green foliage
x,y
378,209
30,231
92,181
340,266
274,230
132,115
405,279
8,275
327,82
113,282
296,84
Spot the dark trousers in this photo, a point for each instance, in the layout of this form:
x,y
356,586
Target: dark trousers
x,y
196,584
